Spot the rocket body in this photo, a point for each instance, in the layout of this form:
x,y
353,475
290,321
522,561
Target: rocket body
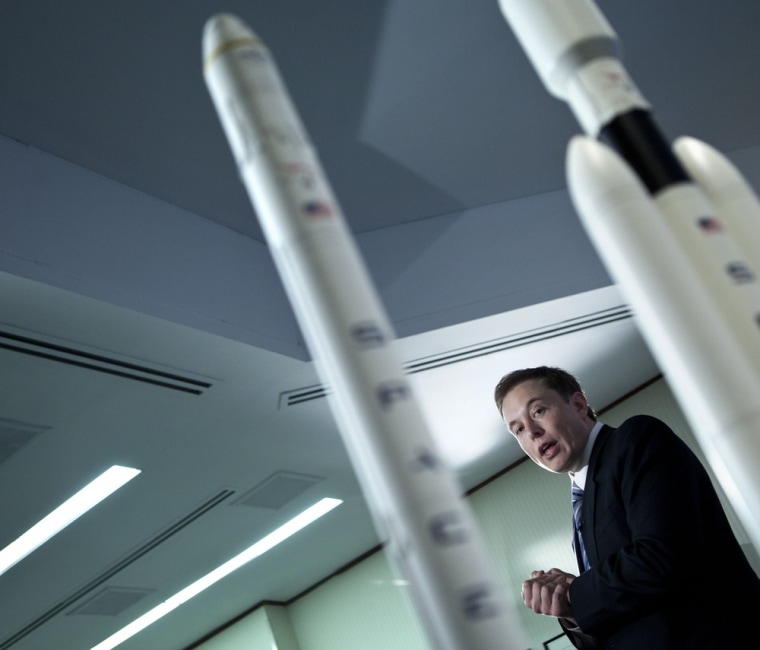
x,y
691,342
735,202
684,228
413,496
574,50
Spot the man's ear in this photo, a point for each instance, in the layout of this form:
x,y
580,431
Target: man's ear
x,y
579,401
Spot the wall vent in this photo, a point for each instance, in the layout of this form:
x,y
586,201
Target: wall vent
x,y
101,363
277,490
132,557
110,601
14,435
588,321
301,395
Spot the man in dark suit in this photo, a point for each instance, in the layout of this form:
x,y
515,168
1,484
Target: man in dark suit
x,y
660,568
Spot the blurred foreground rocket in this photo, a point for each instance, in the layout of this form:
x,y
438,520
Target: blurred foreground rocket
x,y
678,228
414,498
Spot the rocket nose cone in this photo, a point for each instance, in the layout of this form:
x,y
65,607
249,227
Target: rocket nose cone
x,y
220,29
708,165
693,150
590,163
586,163
596,173
576,151
586,151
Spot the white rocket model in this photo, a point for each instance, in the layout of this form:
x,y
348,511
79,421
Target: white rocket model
x,y
414,497
678,229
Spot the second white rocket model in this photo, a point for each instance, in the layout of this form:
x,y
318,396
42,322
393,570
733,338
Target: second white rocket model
x,y
414,497
679,229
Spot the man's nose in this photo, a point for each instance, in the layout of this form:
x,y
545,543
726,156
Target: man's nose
x,y
535,430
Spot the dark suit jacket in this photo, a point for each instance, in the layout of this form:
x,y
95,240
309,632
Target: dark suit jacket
x,y
666,570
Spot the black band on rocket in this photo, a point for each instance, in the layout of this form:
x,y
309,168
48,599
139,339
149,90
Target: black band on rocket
x,y
635,136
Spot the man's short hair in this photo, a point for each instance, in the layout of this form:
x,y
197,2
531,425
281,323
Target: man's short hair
x,y
556,379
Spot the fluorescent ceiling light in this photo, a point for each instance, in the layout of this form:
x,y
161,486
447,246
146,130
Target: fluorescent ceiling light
x,y
70,510
259,548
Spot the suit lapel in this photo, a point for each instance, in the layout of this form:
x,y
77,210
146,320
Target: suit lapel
x,y
589,495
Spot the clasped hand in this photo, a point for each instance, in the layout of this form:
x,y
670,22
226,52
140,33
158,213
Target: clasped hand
x,y
548,592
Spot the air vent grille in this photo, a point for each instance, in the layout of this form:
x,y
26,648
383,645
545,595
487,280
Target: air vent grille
x,y
570,326
110,601
14,435
101,363
301,395
277,490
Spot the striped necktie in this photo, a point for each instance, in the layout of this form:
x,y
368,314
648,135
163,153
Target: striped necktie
x,y
580,549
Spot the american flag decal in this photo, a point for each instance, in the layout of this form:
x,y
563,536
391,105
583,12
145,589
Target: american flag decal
x,y
710,224
317,209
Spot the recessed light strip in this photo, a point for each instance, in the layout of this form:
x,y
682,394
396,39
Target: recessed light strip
x,y
289,528
69,511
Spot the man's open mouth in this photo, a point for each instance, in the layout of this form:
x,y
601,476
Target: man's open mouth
x,y
548,449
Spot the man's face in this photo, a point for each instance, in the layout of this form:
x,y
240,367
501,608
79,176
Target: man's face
x,y
551,430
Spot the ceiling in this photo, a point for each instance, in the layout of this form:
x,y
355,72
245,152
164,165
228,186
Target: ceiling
x,y
129,252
